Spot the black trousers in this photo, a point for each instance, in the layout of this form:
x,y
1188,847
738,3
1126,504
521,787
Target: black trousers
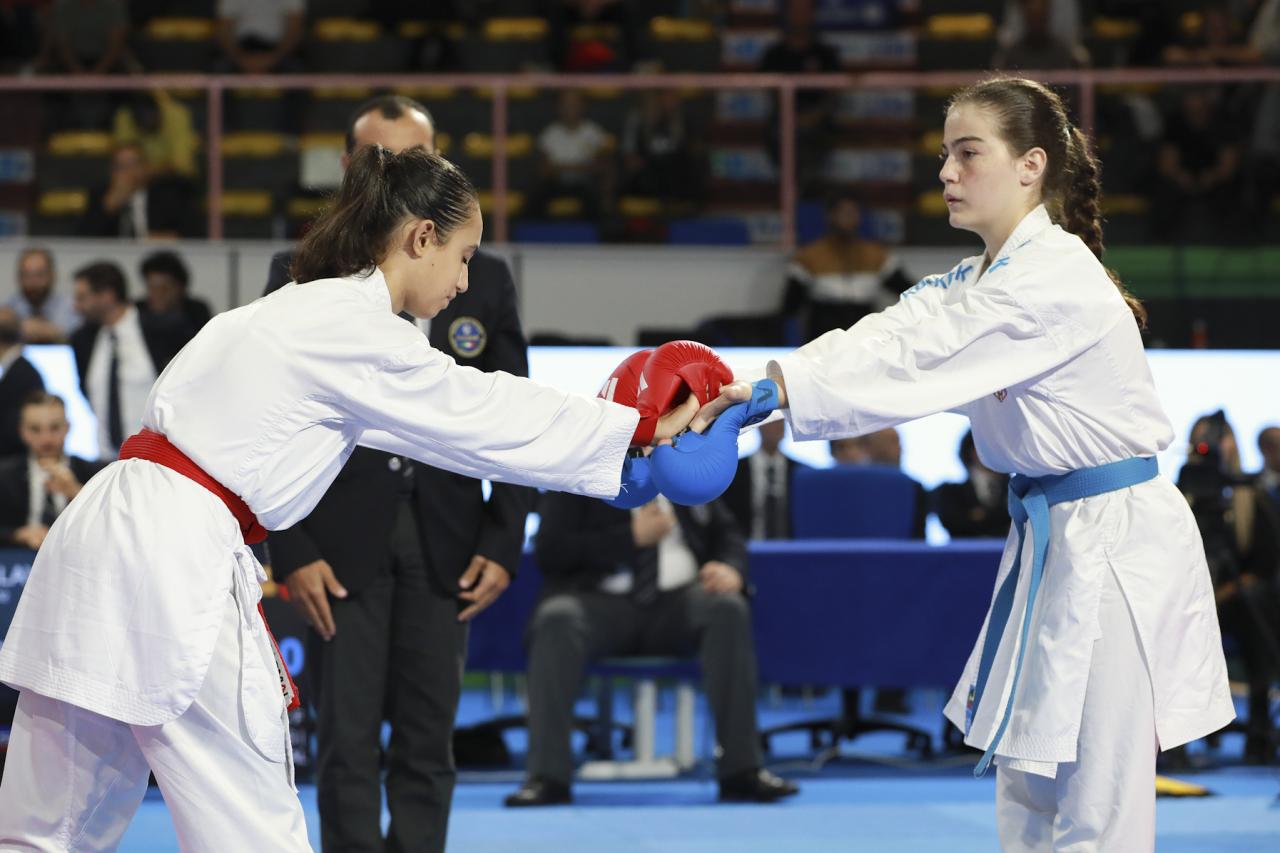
x,y
570,629
398,654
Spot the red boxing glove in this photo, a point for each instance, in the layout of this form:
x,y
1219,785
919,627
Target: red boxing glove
x,y
673,372
623,385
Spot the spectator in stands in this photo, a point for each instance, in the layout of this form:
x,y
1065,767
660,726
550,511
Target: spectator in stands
x,y
1197,194
658,580
980,505
119,352
37,484
575,161
843,275
801,52
760,495
136,205
86,37
20,40
847,451
168,282
162,126
47,316
1038,46
260,36
18,379
572,52
1061,22
1219,41
1240,530
657,150
1269,477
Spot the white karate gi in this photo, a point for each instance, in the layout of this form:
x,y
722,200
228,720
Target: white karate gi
x,y
135,589
1044,357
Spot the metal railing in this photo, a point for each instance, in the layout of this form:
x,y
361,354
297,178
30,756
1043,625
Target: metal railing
x,y
784,86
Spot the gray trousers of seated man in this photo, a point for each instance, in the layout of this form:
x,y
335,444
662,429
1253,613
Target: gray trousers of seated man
x,y
571,629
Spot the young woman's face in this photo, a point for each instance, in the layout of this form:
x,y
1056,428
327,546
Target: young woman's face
x,y
442,269
981,181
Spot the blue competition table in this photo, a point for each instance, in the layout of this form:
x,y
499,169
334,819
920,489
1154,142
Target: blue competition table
x,y
827,612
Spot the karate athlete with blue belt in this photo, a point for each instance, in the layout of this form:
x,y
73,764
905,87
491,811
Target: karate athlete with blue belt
x,y
1102,644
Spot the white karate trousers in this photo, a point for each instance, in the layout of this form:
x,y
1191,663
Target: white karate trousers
x,y
1104,801
73,779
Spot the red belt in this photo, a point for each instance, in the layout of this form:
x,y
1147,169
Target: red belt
x,y
154,447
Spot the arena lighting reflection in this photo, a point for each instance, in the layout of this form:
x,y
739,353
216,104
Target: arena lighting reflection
x,y
1191,383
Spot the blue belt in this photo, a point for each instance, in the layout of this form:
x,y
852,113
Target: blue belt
x,y
1029,500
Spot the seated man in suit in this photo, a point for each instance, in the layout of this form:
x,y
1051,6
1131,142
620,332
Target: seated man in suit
x,y
656,580
980,505
119,352
36,486
18,379
760,494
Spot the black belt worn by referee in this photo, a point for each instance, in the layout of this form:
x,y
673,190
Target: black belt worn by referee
x,y
399,536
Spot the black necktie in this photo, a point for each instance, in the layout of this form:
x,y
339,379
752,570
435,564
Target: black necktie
x,y
774,523
644,577
115,423
49,512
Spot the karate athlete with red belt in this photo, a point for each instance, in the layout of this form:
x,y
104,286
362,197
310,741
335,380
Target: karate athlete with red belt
x,y
137,645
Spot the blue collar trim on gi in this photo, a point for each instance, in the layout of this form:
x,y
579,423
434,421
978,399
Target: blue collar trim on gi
x,y
1029,500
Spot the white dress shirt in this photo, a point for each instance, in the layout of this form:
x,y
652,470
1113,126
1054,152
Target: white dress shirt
x,y
137,373
677,565
38,479
766,468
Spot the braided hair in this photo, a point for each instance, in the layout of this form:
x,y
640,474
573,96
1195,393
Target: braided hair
x,y
1029,115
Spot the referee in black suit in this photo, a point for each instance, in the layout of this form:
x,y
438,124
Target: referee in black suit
x,y
391,565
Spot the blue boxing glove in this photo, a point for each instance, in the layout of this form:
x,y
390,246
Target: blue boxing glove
x,y
638,486
696,469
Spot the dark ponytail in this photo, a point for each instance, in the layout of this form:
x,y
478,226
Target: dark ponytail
x,y
379,191
1029,115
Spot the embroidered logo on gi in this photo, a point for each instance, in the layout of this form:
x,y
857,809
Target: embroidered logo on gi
x,y
958,274
999,263
968,708
1001,394
467,337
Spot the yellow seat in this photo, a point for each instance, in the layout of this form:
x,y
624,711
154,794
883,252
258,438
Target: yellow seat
x,y
1114,28
634,205
1133,204
427,94
179,29
325,139
306,208
515,29
515,202
931,204
254,144
681,29
595,32
80,143
63,202
565,207
345,29
976,26
479,146
342,93
931,142
246,203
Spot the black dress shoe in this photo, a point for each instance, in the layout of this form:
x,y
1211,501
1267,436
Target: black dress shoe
x,y
540,792
755,786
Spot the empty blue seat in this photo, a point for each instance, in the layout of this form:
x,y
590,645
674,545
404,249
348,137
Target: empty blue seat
x,y
555,232
709,232
853,502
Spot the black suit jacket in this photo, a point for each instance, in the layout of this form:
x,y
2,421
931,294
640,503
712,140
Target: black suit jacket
x,y
581,540
17,383
965,516
162,337
351,525
169,210
740,494
15,490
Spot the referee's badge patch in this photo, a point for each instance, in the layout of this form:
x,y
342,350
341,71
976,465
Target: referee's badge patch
x,y
467,337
